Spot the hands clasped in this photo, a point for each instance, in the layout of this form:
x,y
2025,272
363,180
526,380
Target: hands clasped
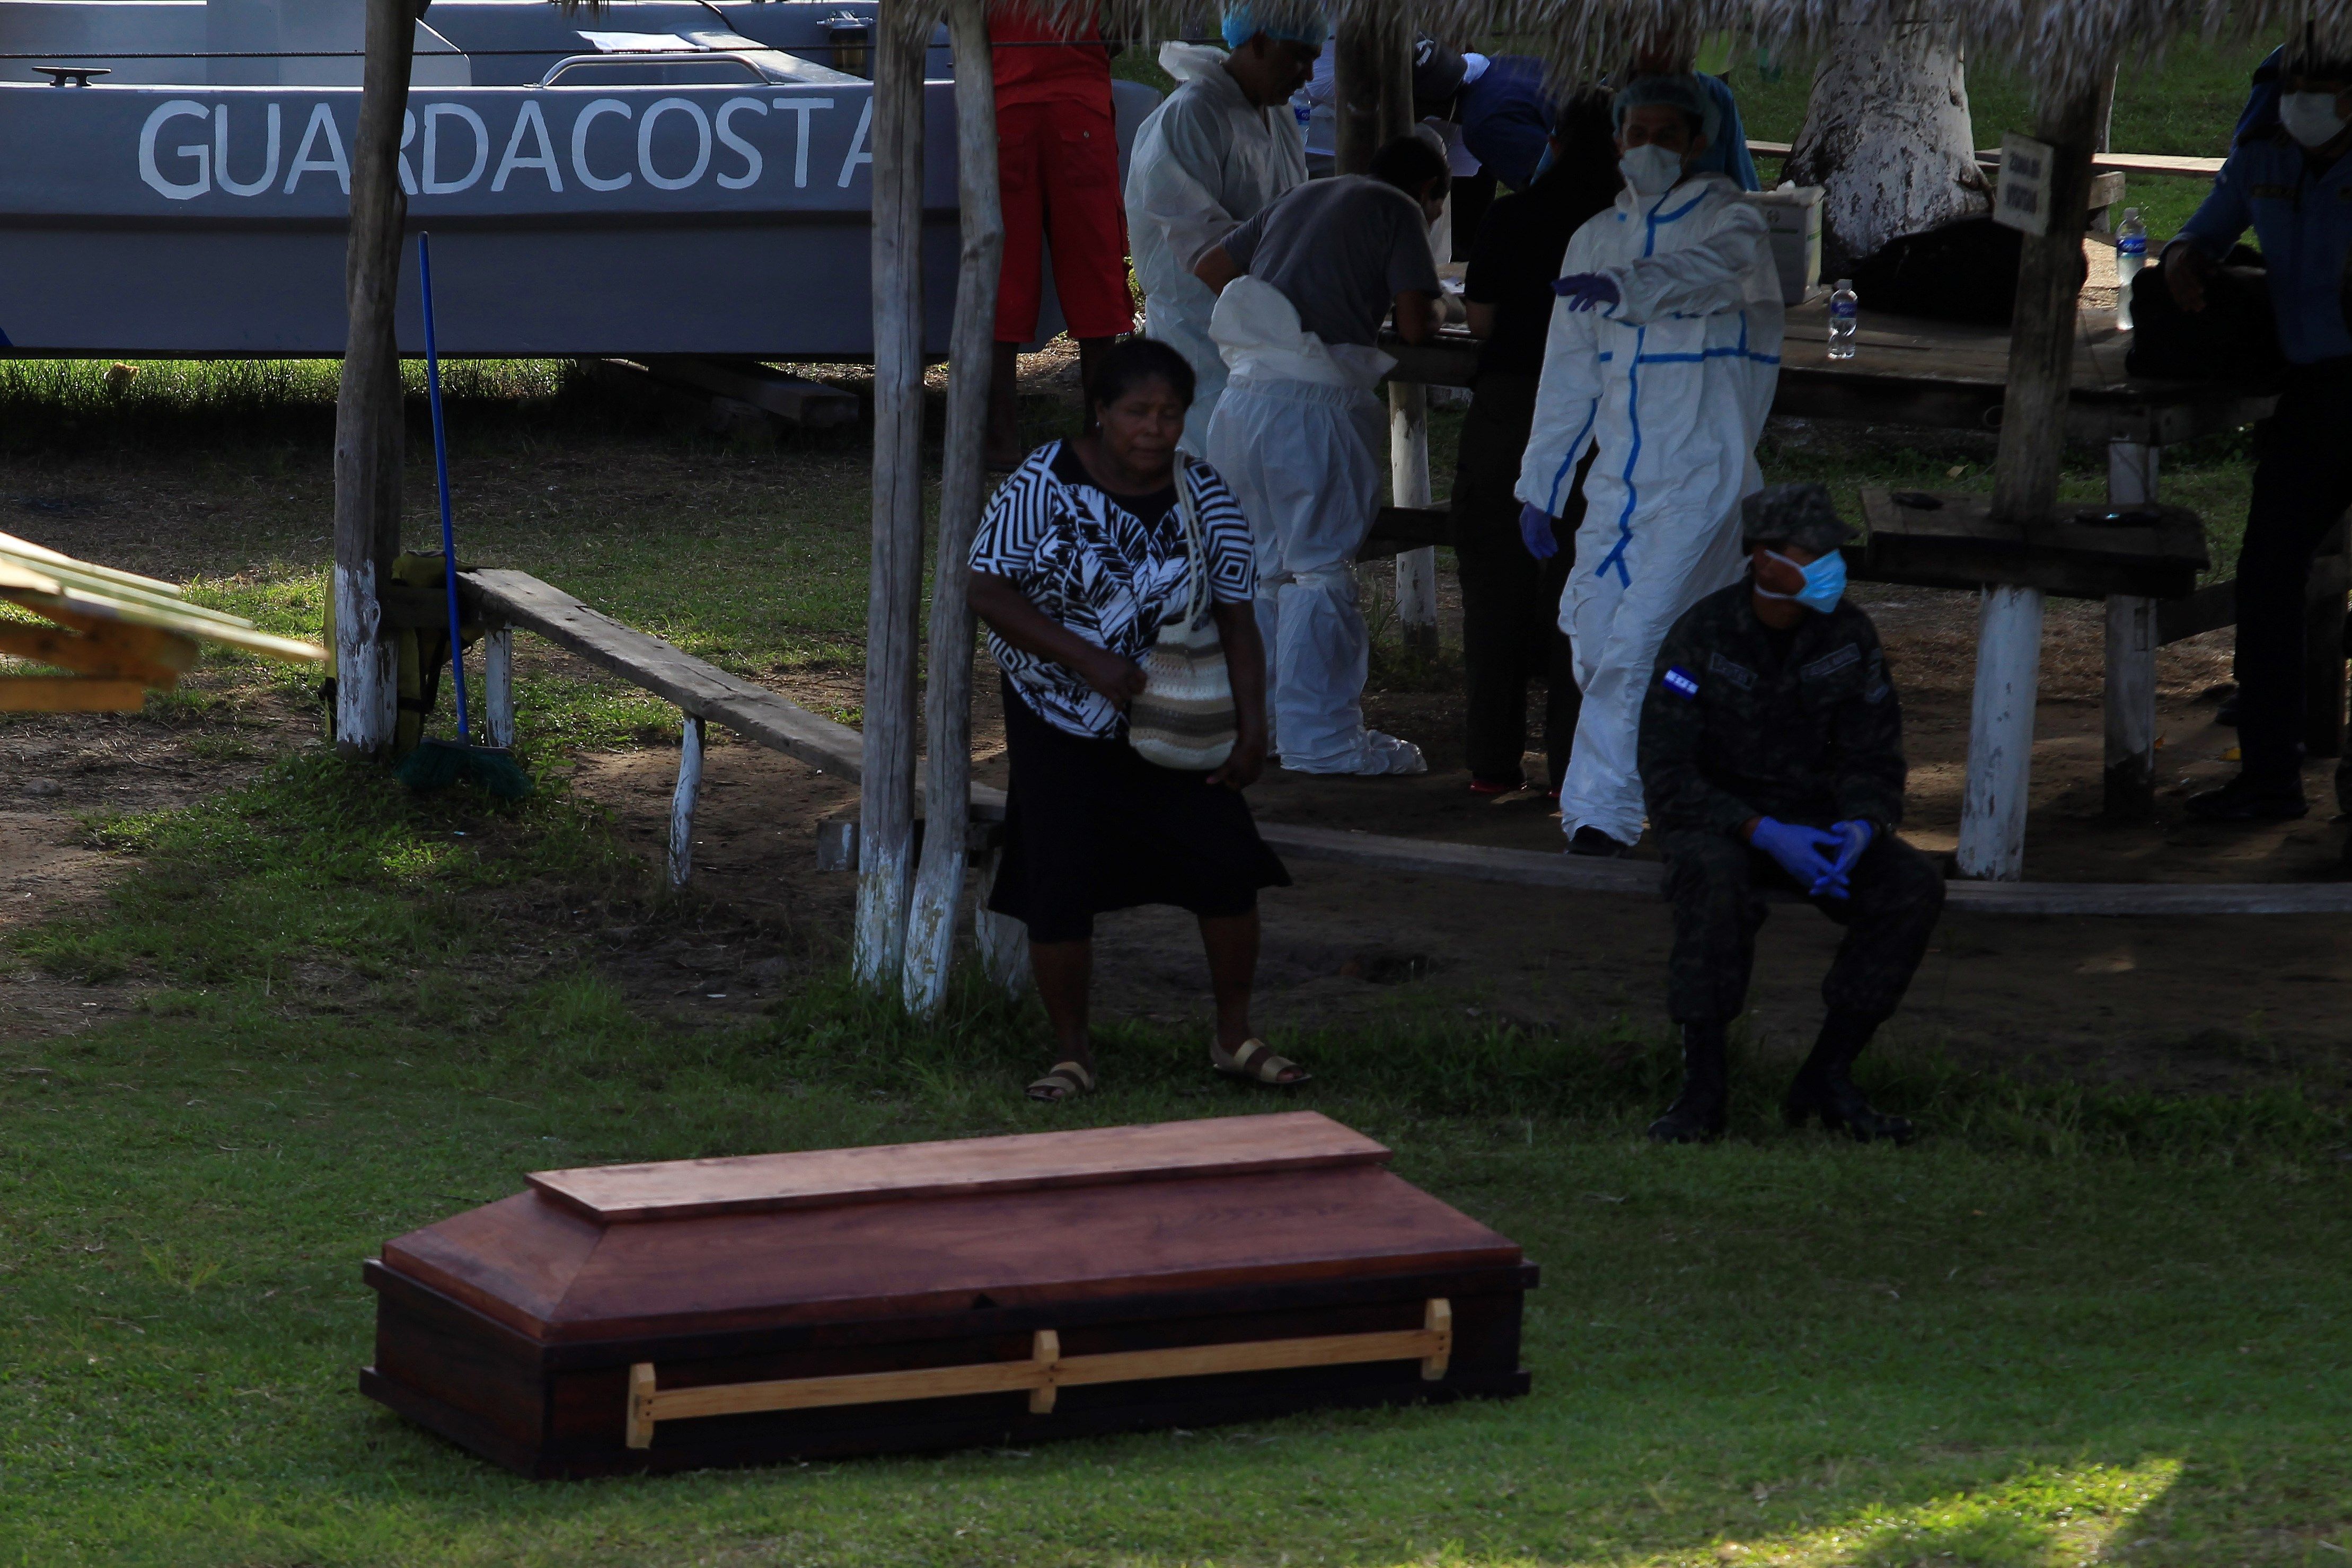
x,y
1819,859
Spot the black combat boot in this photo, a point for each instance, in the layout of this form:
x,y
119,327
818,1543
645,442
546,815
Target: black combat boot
x,y
1696,1115
1823,1088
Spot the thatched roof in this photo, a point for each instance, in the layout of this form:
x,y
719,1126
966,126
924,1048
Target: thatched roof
x,y
2065,43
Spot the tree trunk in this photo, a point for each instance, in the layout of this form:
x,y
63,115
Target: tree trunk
x,y
1887,137
895,585
367,416
963,490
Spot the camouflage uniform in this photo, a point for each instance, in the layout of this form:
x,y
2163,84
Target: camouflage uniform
x,y
1810,733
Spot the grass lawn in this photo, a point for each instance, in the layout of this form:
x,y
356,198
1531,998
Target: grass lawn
x,y
2068,1328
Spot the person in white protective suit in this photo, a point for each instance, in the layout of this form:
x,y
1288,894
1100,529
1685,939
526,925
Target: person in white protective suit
x,y
1221,148
1301,438
1664,353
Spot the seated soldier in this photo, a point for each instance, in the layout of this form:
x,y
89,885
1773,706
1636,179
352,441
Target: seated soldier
x,y
1773,755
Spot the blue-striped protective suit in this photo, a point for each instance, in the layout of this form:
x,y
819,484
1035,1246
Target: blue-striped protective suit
x,y
1672,383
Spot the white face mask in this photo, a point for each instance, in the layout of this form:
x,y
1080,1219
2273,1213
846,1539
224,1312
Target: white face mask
x,y
2310,117
1650,169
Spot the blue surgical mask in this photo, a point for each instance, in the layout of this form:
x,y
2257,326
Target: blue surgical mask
x,y
1825,582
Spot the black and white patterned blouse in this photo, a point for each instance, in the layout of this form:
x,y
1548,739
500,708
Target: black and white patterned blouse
x,y
1110,576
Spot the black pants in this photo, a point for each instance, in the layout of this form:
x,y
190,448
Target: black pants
x,y
1713,879
1510,601
2302,483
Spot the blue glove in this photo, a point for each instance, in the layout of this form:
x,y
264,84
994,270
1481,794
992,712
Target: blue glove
x,y
1535,532
1587,290
1855,836
1803,852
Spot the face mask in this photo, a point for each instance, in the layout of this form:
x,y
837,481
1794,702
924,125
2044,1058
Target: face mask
x,y
2310,117
1825,582
1650,169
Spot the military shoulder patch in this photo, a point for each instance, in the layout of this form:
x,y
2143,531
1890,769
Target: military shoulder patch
x,y
1680,681
1739,675
1829,664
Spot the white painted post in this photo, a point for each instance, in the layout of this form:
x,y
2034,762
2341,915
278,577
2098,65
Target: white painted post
x,y
368,414
681,804
886,861
2001,734
1416,570
1004,942
938,901
2128,787
497,685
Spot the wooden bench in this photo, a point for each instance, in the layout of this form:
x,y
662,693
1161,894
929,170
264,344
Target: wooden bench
x,y
508,600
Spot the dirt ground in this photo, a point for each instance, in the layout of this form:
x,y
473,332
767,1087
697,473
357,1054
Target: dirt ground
x,y
2183,1003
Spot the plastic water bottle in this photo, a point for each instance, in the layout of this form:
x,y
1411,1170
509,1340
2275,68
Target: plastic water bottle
x,y
1844,316
2131,255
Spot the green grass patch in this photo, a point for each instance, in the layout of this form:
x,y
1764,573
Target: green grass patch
x,y
2074,1324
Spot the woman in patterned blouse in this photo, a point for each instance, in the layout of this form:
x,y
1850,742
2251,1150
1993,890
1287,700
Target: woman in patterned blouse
x,y
1081,557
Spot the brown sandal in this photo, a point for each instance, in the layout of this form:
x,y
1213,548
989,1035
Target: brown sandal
x,y
1067,1079
1256,1062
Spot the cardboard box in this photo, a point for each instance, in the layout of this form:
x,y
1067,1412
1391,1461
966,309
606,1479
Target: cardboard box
x,y
1794,218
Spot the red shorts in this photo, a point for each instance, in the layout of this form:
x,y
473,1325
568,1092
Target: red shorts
x,y
1070,150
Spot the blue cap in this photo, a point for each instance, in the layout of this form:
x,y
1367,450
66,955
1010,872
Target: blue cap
x,y
1285,24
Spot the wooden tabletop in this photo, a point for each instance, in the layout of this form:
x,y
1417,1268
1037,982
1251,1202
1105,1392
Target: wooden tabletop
x,y
1936,375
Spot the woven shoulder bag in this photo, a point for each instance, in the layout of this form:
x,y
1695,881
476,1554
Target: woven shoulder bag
x,y
1185,717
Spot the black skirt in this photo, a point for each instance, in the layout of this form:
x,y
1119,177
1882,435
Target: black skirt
x,y
1090,826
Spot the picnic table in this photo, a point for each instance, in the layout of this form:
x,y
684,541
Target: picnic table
x,y
1946,375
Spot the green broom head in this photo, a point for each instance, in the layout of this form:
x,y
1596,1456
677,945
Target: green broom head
x,y
435,764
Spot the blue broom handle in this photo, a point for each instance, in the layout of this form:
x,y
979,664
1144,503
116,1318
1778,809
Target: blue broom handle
x,y
441,472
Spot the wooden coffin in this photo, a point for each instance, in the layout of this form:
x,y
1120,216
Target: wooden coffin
x,y
923,1295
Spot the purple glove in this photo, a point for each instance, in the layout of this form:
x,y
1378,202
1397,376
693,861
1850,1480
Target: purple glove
x,y
1535,532
1803,852
1588,290
1855,837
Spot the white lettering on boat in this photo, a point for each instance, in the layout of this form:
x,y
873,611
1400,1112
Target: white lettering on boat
x,y
681,144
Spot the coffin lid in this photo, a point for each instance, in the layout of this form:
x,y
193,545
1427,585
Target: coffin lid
x,y
918,1229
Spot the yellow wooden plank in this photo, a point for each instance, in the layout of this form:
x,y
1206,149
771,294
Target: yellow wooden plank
x,y
23,579
641,1396
38,554
122,652
1437,1318
74,608
69,694
1046,1349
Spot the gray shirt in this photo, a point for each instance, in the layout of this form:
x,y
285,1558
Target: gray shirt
x,y
1340,251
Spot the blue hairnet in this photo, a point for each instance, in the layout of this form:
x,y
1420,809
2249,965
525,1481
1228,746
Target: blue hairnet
x,y
1284,24
1684,92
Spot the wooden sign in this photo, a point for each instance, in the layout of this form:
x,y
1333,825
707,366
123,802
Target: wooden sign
x,y
2022,200
832,1302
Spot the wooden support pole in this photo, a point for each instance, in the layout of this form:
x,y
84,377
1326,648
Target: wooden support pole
x,y
681,803
894,584
2129,779
498,684
1416,570
1003,942
2025,488
964,491
368,415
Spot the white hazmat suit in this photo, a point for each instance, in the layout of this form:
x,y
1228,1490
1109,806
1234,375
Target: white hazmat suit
x,y
1672,384
1300,438
1206,161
